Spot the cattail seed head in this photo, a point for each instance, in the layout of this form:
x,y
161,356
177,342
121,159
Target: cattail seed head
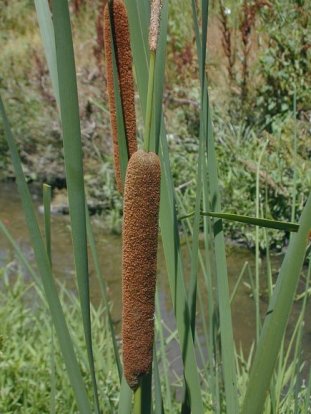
x,y
139,263
154,24
120,31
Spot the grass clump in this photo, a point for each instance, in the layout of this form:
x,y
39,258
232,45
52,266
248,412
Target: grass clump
x,y
26,351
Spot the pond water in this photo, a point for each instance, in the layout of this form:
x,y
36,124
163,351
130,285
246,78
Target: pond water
x,y
109,249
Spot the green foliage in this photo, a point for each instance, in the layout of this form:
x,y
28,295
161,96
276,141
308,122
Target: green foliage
x,y
103,196
179,24
285,61
25,351
238,149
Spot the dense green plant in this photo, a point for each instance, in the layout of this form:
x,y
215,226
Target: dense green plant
x,y
30,362
266,67
284,66
29,367
238,151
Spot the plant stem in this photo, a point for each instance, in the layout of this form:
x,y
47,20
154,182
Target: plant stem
x,y
293,213
137,401
257,252
149,101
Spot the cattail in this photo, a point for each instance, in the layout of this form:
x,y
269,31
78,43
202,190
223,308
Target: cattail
x,y
154,24
139,262
121,35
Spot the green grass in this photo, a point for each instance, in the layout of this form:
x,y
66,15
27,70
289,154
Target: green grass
x,y
26,365
25,349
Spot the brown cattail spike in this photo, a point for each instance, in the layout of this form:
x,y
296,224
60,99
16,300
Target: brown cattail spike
x,y
120,31
139,263
154,24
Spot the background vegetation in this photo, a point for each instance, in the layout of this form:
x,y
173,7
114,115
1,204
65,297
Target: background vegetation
x,y
259,79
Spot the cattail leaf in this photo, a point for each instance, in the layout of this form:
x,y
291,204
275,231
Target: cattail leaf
x,y
213,195
276,317
195,242
47,33
47,195
22,258
44,17
125,399
44,267
104,291
226,327
164,361
70,122
261,222
158,409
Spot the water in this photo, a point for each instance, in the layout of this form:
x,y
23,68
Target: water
x,y
109,250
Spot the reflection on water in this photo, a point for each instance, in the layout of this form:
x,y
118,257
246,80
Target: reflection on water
x,y
109,251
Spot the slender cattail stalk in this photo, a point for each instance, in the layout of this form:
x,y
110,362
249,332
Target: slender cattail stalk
x,y
120,32
140,240
153,43
154,24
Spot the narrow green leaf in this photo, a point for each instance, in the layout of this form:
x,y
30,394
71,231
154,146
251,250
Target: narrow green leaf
x,y
138,401
163,358
47,34
276,318
237,284
195,241
104,291
46,274
125,400
21,257
226,328
146,393
213,197
157,385
150,103
47,195
257,247
306,404
214,356
69,109
294,191
261,222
